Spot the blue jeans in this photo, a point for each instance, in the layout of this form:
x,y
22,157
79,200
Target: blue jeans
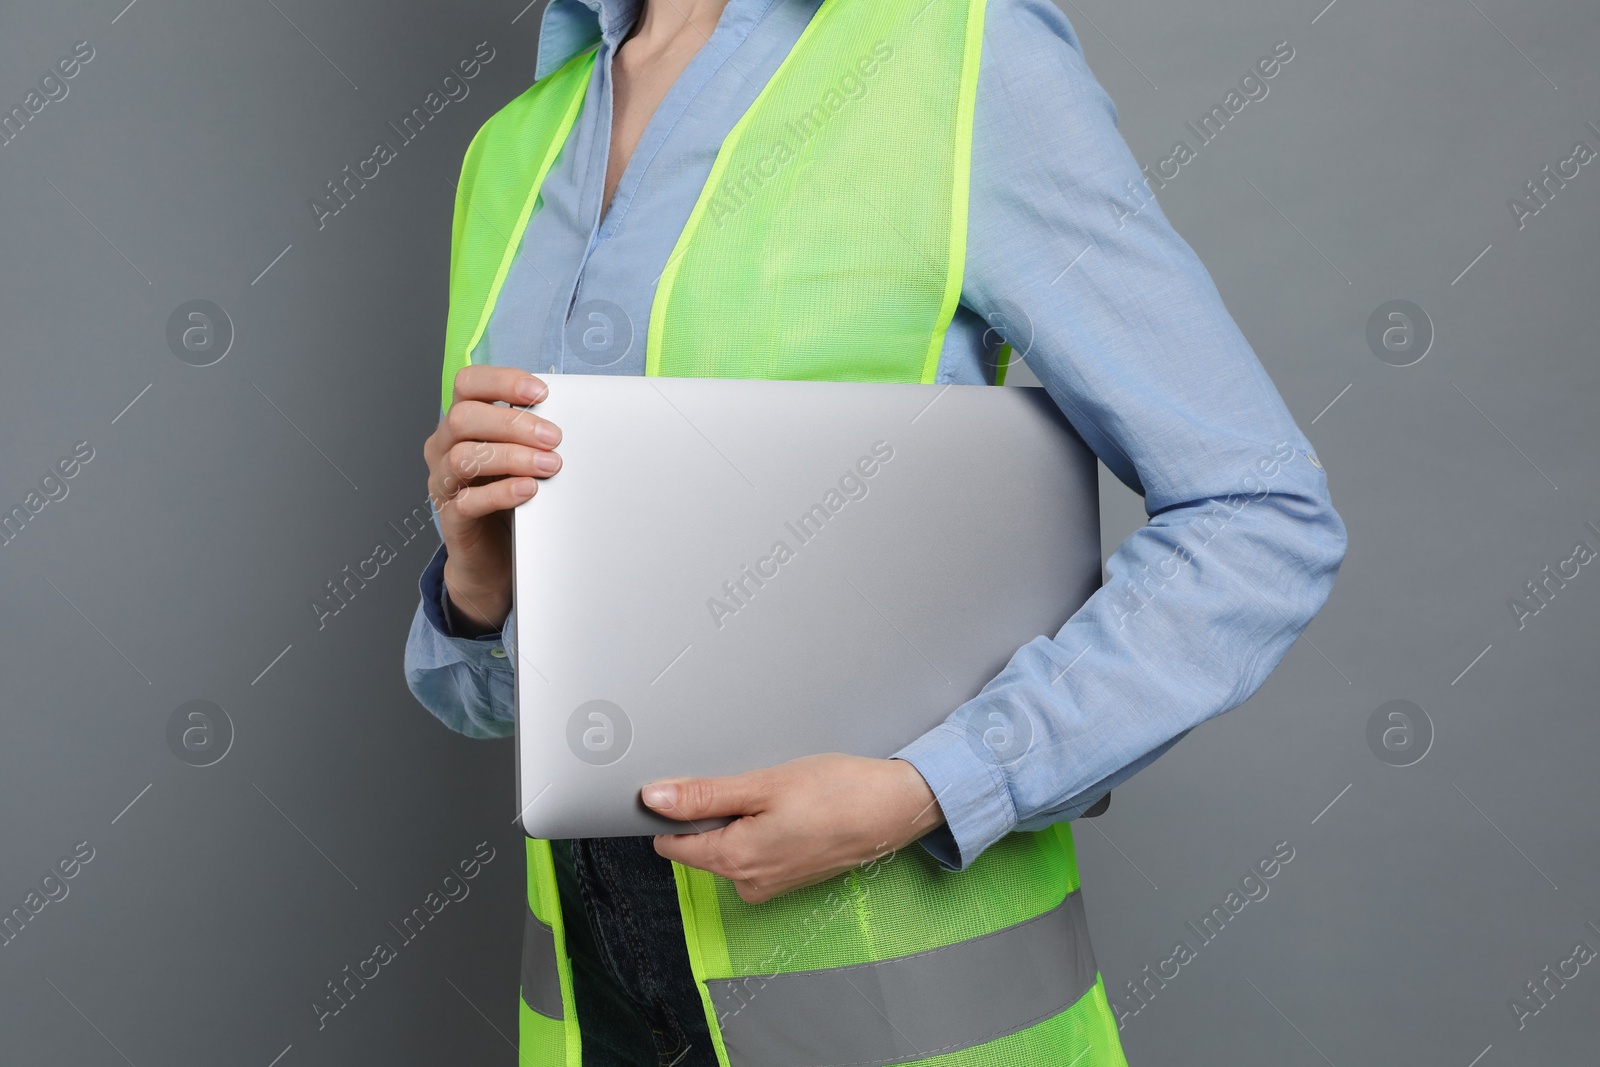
x,y
638,1003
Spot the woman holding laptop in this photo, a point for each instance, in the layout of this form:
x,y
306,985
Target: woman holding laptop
x,y
857,191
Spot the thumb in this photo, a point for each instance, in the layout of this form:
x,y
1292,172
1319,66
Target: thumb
x,y
705,798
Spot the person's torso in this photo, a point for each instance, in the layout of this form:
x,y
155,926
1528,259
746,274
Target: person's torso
x,y
577,298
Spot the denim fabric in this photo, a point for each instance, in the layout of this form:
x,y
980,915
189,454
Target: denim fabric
x,y
638,1005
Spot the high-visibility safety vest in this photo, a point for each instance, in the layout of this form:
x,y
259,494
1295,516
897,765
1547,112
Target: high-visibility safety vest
x,y
828,243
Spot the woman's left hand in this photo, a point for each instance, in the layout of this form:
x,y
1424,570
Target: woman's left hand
x,y
797,823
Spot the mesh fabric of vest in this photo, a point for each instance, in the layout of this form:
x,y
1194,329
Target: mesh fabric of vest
x,y
504,167
829,241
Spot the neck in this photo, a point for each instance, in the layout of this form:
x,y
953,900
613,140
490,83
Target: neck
x,y
663,22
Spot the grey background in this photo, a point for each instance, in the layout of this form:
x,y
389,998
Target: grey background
x,y
181,564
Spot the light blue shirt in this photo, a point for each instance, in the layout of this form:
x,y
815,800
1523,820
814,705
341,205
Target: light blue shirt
x,y
1070,257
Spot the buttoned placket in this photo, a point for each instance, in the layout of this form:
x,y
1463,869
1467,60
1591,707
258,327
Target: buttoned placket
x,y
615,22
616,19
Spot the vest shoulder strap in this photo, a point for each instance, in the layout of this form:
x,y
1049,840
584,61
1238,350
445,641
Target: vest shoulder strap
x,y
504,168
829,240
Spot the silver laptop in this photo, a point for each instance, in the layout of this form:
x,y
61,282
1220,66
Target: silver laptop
x,y
727,574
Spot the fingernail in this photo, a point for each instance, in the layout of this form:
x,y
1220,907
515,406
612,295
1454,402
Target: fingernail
x,y
661,796
548,462
547,433
531,389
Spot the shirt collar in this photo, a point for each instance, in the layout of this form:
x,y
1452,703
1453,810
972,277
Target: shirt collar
x,y
570,26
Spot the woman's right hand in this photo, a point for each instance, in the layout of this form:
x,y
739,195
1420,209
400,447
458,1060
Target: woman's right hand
x,y
483,460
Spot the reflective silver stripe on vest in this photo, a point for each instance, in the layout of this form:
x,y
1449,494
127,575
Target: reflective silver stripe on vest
x,y
541,981
910,1007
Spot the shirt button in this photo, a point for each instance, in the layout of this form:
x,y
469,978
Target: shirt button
x,y
498,653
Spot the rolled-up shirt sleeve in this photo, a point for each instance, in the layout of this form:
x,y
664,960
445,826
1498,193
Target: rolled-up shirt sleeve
x,y
1070,256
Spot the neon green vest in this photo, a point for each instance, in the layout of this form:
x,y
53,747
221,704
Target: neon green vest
x,y
828,243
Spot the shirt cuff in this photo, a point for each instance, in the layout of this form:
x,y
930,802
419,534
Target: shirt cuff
x,y
971,791
486,651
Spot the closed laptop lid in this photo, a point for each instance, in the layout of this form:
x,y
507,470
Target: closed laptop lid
x,y
727,574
